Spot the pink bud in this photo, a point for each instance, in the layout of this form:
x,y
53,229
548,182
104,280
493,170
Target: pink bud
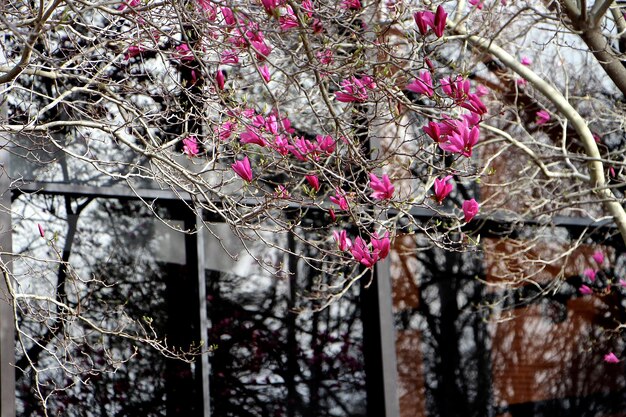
x,y
41,231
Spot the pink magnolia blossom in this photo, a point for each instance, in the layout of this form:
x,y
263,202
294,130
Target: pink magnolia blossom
x,y
229,16
462,140
434,131
269,5
440,21
585,290
342,240
307,7
380,245
251,136
526,61
362,254
590,273
265,73
442,188
313,181
190,146
382,188
543,117
317,26
470,209
226,129
422,84
133,51
352,90
612,172
281,144
351,4
220,80
325,143
457,89
229,56
303,149
340,199
332,215
521,81
477,3
41,231
209,9
611,358
424,20
132,3
325,57
598,257
243,169
184,53
474,104
288,19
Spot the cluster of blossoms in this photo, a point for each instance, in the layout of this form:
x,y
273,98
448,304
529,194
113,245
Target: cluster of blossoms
x,y
256,138
365,254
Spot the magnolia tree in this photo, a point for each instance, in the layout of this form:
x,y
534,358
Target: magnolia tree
x,y
360,114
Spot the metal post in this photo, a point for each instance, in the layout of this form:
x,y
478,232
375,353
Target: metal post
x,y
7,325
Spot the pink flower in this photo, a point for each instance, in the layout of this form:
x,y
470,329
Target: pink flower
x,y
288,19
353,90
598,257
133,51
622,283
470,209
351,4
521,81
434,131
269,5
474,104
190,146
219,79
325,57
313,181
457,89
251,136
424,20
611,358
281,145
380,245
440,21
340,199
462,140
325,143
132,3
543,117
307,7
229,57
184,53
265,73
590,273
226,130
342,240
442,188
362,253
585,290
526,61
332,215
243,169
422,85
41,231
229,16
383,189
478,3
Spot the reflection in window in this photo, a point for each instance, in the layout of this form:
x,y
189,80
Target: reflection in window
x,y
274,356
533,348
108,260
